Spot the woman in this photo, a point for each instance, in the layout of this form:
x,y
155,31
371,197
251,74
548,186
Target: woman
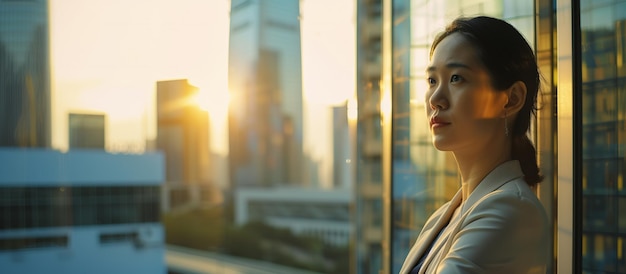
x,y
483,82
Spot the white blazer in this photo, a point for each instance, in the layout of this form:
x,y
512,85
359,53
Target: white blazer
x,y
501,228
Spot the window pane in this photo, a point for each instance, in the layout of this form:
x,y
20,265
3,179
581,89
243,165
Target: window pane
x,y
424,178
603,112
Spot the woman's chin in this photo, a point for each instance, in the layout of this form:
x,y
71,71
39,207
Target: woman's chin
x,y
441,145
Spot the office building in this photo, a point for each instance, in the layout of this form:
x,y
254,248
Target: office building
x,y
579,129
311,172
324,214
183,137
367,253
87,131
342,148
83,211
24,74
265,81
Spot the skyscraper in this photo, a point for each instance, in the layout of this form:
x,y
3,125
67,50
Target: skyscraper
x,y
342,148
265,81
182,133
24,74
368,211
183,136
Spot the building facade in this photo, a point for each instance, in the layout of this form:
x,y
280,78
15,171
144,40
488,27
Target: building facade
x,y
342,148
87,131
578,131
367,254
183,137
83,211
24,74
265,82
324,214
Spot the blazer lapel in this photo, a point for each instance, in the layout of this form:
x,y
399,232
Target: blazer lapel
x,y
501,175
434,252
426,237
504,173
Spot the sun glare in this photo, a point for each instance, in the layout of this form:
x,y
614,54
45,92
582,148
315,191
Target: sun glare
x,y
201,100
353,111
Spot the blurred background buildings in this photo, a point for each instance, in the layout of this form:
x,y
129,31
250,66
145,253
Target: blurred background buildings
x,y
356,208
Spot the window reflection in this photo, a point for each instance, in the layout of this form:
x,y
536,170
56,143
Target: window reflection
x,y
602,56
424,178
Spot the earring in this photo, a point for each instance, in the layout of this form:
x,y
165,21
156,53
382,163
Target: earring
x,y
506,125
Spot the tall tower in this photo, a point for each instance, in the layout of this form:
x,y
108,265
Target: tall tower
x,y
265,81
182,134
24,74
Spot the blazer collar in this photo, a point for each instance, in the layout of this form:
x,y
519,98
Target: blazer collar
x,y
501,175
426,238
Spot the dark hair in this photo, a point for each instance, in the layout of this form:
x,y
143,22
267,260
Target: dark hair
x,y
508,59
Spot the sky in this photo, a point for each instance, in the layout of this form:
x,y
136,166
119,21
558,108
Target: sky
x,y
107,56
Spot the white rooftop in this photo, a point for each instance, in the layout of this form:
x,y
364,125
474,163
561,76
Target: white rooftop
x,y
46,167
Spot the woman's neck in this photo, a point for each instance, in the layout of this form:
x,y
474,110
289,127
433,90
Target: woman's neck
x,y
474,169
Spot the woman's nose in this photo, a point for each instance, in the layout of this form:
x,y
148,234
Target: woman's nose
x,y
437,100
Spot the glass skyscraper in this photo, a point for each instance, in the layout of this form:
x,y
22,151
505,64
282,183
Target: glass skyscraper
x,y
265,83
24,74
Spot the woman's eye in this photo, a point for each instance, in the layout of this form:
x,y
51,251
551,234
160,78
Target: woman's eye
x,y
431,81
455,78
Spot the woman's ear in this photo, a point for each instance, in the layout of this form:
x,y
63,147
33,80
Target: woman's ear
x,y
517,97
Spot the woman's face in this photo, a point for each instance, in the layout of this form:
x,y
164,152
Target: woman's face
x,y
466,113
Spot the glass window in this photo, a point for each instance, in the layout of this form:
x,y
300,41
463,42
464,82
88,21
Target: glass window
x,y
603,111
423,178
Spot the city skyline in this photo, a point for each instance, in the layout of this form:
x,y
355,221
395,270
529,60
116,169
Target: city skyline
x,y
121,83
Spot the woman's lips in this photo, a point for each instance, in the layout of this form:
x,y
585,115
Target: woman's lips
x,y
436,122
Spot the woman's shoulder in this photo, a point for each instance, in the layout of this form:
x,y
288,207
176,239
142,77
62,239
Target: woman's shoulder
x,y
514,189
514,199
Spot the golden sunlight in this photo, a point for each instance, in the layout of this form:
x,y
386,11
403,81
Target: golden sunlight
x,y
201,100
119,103
353,111
216,101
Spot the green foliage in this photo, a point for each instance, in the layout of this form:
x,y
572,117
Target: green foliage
x,y
206,229
200,228
238,242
